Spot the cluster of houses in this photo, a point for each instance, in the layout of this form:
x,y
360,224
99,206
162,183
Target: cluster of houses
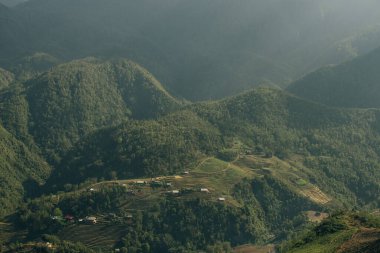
x,y
174,192
71,219
153,183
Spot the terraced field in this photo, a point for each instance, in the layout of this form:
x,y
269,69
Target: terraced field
x,y
219,177
101,235
9,233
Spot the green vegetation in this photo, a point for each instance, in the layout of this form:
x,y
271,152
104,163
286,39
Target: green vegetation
x,y
345,232
21,171
321,140
259,202
316,144
280,207
185,222
140,148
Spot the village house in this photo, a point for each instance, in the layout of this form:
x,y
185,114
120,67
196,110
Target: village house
x,y
174,192
221,199
205,190
69,218
91,219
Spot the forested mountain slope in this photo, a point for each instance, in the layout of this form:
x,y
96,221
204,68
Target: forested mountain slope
x,y
354,84
339,146
140,148
199,49
338,150
20,171
60,106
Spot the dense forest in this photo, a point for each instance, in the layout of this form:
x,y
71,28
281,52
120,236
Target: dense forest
x,y
67,102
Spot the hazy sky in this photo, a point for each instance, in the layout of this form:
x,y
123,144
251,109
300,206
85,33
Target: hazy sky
x,y
12,2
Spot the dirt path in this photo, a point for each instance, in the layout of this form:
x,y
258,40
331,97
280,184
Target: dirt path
x,y
254,249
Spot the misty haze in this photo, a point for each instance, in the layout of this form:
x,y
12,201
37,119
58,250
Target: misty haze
x,y
216,126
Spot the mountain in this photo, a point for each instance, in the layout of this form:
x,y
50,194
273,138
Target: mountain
x,y
199,49
58,107
352,84
21,171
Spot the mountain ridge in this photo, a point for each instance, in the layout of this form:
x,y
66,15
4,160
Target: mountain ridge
x,y
202,61
351,84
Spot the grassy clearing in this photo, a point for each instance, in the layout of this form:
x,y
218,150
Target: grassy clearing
x,y
316,217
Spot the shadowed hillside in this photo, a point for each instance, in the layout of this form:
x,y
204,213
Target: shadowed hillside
x,y
353,84
20,172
